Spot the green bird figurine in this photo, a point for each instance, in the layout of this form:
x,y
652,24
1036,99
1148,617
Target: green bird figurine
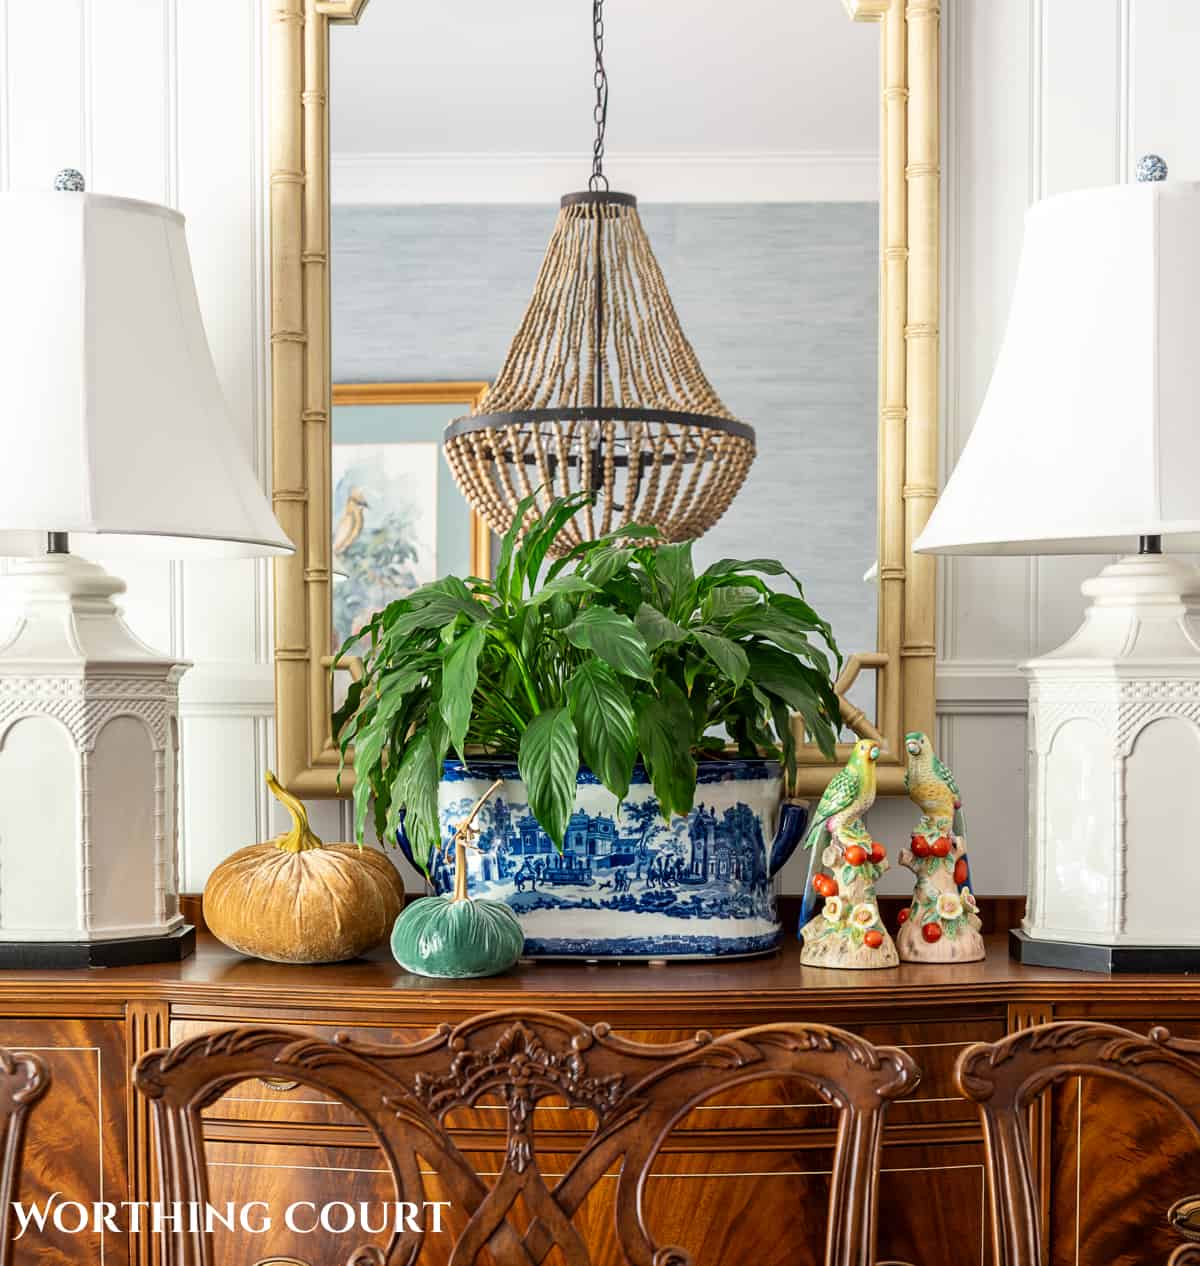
x,y
847,932
851,792
931,787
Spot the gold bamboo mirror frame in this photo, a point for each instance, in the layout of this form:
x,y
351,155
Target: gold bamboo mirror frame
x,y
904,655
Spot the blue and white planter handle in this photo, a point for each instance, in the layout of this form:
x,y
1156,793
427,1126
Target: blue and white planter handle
x,y
629,884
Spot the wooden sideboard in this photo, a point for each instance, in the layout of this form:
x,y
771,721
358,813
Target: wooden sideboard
x,y
741,1182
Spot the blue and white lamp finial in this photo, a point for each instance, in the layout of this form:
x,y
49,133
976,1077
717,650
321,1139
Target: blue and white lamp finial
x,y
69,181
1150,167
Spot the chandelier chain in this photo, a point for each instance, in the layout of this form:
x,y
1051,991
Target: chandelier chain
x,y
598,180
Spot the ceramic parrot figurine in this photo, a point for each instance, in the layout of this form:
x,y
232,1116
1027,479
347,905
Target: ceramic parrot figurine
x,y
851,792
847,931
931,786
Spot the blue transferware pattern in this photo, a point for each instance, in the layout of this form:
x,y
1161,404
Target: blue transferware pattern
x,y
628,884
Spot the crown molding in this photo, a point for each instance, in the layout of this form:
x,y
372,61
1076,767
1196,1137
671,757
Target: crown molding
x,y
733,177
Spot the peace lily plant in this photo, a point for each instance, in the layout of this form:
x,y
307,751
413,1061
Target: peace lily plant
x,y
615,653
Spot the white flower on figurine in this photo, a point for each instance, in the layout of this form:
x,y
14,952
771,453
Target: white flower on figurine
x,y
833,909
864,915
968,899
949,906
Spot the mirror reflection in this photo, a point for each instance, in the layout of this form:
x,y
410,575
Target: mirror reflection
x,y
753,150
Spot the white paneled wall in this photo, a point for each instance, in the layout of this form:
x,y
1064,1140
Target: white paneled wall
x,y
1041,96
165,99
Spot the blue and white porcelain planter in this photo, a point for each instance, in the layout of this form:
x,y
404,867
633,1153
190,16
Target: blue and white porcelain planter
x,y
628,884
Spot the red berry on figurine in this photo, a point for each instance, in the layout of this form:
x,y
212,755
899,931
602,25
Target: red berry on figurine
x,y
960,871
920,846
904,914
878,852
931,932
941,847
856,855
873,939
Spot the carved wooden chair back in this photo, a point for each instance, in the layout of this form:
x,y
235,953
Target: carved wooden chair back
x,y
23,1081
1004,1079
636,1092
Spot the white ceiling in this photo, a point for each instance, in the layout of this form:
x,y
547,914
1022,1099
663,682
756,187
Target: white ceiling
x,y
685,77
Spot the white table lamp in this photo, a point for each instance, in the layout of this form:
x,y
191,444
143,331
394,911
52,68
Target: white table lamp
x,y
116,440
1088,442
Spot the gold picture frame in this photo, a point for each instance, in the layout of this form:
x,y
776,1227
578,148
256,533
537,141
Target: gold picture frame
x,y
904,656
464,396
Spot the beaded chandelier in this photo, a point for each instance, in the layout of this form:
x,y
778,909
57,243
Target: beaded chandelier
x,y
601,390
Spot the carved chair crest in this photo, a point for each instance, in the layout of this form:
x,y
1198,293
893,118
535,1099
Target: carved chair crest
x,y
636,1092
1004,1078
24,1079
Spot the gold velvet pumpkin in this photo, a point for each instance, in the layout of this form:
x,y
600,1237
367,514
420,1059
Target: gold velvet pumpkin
x,y
297,900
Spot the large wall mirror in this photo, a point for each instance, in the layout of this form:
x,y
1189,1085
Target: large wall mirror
x,y
787,173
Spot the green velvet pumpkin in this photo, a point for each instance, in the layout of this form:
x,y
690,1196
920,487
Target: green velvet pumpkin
x,y
457,937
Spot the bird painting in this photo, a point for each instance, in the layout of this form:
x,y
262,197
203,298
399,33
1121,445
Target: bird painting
x,y
350,525
931,787
851,792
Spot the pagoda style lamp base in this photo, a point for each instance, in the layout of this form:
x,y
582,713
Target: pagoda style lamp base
x,y
89,757
1114,742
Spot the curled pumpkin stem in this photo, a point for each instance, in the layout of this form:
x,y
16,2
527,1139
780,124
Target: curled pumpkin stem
x,y
462,841
301,837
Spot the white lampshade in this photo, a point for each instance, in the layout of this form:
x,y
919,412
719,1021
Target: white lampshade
x,y
1089,436
113,424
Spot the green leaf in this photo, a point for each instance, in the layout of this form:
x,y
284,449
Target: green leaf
x,y
728,656
415,790
665,740
349,707
541,535
656,628
803,614
726,602
801,688
460,673
372,739
586,549
508,543
549,764
787,738
614,638
561,611
561,586
439,611
673,568
606,724
787,633
767,566
602,566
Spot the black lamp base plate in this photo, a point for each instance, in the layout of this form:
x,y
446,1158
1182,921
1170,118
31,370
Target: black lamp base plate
x,y
29,955
1114,960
